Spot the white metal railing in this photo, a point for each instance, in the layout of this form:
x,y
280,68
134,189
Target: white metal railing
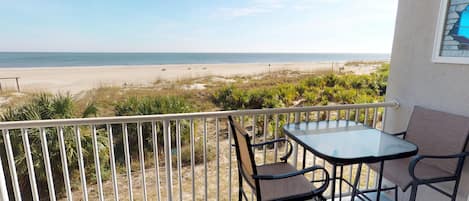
x,y
206,174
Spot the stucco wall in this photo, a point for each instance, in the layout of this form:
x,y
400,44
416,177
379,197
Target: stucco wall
x,y
416,80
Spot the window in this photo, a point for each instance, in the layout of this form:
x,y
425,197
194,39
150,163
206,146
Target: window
x,y
452,33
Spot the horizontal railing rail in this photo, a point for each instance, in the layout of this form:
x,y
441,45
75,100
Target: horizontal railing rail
x,y
159,117
185,156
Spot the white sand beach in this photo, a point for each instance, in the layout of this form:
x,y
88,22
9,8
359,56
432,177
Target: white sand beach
x,y
76,79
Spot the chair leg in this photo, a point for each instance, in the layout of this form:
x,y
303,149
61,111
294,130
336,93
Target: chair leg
x,y
413,193
453,198
320,198
455,193
240,194
455,190
355,183
396,193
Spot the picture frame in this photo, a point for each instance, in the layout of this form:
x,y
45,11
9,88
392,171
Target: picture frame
x,y
450,45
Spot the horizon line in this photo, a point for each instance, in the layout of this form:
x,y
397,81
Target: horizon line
x,y
201,52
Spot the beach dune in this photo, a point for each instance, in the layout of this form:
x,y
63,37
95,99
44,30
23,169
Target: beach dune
x,y
76,79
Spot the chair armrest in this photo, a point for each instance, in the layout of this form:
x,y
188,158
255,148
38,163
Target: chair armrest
x,y
283,158
418,158
321,189
266,143
290,174
269,142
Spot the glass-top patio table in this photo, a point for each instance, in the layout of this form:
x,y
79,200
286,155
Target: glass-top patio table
x,y
347,142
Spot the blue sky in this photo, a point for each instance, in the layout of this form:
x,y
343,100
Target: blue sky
x,y
197,25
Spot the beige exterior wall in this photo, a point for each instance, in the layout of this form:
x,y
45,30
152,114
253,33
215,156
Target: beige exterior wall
x,y
416,80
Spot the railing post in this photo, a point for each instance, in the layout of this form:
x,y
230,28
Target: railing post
x,y
11,164
45,153
3,185
128,167
167,156
30,164
295,144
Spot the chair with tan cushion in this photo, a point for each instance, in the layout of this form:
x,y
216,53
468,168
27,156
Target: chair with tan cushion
x,y
276,181
442,140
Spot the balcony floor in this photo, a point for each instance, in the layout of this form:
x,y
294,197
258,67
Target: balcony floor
x,y
372,196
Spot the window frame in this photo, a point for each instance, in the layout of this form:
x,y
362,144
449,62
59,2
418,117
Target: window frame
x,y
439,31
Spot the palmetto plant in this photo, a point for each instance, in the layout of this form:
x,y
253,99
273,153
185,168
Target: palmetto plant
x,y
149,105
45,106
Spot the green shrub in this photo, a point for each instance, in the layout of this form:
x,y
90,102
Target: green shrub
x,y
331,80
315,81
344,89
230,98
311,97
149,105
152,105
288,93
263,98
345,96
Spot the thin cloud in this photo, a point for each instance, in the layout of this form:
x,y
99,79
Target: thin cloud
x,y
257,7
240,12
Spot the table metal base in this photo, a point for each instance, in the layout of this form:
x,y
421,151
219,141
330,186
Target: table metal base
x,y
356,192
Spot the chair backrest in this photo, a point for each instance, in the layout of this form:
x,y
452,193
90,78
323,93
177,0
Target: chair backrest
x,y
244,153
438,133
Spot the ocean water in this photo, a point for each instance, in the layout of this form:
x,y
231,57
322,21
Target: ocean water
x,y
54,59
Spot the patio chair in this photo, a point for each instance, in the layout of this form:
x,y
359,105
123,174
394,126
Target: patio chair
x,y
275,181
442,140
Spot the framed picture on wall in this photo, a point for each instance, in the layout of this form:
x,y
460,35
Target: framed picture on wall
x,y
452,33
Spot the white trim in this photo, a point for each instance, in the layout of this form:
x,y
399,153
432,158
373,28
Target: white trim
x,y
439,31
162,117
440,28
